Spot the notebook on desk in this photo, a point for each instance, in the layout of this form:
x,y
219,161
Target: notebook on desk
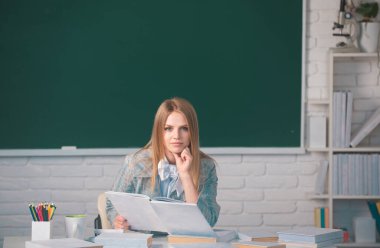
x,y
145,214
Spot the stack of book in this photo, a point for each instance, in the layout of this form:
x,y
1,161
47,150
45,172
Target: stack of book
x,y
128,239
310,237
221,235
260,236
255,244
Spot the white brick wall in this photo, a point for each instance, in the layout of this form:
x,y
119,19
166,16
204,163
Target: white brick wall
x,y
266,192
255,192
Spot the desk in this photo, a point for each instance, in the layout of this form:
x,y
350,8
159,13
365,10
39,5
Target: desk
x,y
19,242
15,242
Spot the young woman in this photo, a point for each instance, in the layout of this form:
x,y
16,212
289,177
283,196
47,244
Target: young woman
x,y
170,164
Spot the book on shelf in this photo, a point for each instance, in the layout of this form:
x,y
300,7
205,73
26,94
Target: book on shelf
x,y
222,235
320,181
349,107
321,217
317,217
366,128
356,174
310,235
146,214
342,118
61,243
260,236
335,119
127,239
343,115
255,244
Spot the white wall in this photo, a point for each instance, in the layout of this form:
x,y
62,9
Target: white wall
x,y
255,191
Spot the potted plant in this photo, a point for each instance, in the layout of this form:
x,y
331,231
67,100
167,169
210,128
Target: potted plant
x,y
368,11
369,28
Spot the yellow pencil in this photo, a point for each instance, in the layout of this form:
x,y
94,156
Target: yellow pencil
x,y
49,211
53,210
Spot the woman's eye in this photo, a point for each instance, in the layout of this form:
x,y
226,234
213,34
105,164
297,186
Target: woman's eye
x,y
185,128
168,128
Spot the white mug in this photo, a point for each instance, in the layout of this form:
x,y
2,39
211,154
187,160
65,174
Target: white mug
x,y
75,226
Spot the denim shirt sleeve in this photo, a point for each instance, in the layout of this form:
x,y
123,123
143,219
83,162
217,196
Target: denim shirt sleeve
x,y
121,185
208,191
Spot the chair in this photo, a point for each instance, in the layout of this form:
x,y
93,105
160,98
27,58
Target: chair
x,y
102,211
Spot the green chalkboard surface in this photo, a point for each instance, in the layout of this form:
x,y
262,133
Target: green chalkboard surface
x,y
91,73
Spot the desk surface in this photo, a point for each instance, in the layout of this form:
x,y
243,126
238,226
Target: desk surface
x,y
19,242
15,242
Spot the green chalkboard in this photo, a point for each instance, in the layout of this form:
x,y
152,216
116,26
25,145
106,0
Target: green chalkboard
x,y
91,73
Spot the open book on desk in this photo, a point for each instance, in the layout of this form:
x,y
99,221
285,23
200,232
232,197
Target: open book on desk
x,y
146,214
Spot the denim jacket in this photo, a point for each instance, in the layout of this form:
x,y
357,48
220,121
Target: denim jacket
x,y
135,177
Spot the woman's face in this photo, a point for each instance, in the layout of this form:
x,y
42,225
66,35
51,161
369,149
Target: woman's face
x,y
176,134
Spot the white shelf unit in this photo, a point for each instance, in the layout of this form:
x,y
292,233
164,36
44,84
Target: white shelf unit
x,y
330,150
336,57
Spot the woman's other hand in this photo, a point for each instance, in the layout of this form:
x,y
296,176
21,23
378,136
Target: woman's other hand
x,y
120,223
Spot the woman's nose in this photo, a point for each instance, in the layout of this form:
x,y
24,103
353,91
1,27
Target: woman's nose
x,y
176,134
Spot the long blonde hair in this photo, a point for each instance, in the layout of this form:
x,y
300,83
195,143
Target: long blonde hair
x,y
156,143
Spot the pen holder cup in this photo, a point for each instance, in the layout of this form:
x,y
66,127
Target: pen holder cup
x,y
41,230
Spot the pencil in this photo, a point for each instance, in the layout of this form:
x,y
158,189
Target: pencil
x,y
53,210
32,212
44,209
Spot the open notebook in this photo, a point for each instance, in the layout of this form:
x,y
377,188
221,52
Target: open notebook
x,y
146,214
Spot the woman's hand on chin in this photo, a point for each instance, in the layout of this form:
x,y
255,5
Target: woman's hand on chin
x,y
183,161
